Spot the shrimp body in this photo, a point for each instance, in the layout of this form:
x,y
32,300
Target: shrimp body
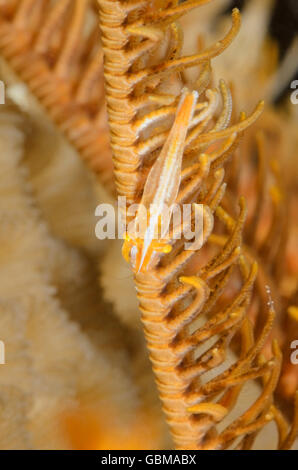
x,y
161,190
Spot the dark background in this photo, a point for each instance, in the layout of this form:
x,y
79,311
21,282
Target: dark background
x,y
283,27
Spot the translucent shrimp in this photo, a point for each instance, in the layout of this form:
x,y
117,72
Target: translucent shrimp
x,y
161,190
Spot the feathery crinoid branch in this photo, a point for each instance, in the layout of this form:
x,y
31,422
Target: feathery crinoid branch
x,y
267,232
142,45
54,47
267,236
193,301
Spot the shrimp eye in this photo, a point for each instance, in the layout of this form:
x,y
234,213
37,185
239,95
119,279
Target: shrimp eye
x,y
126,237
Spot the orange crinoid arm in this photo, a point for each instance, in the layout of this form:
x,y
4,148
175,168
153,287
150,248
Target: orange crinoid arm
x,y
54,47
188,322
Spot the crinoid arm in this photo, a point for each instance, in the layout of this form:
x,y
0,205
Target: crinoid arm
x,y
55,49
193,302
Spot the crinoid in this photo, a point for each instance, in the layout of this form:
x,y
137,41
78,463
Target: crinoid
x,y
170,146
54,47
256,171
267,236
